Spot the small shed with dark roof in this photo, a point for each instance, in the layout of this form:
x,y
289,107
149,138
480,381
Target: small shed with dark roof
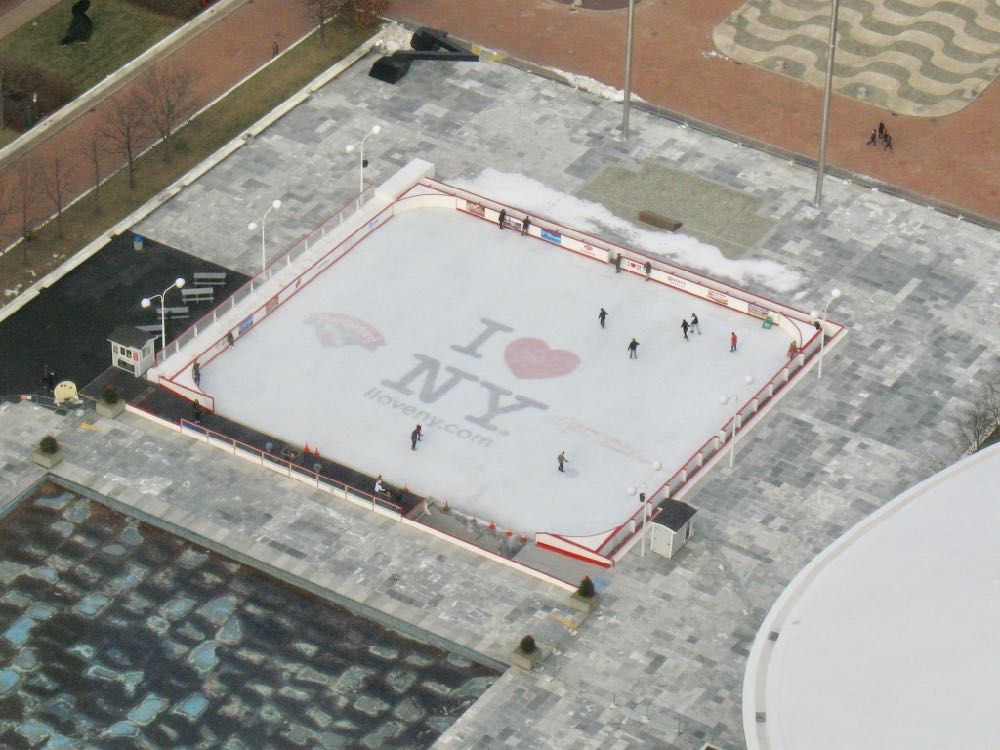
x,y
671,528
132,350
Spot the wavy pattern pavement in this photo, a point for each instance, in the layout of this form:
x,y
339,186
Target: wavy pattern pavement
x,y
922,57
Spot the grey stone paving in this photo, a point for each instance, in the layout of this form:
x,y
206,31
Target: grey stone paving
x,y
660,664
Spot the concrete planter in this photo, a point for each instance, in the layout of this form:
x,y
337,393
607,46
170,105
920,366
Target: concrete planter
x,y
583,603
110,411
525,661
47,460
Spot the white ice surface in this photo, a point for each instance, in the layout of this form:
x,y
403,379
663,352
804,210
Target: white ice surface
x,y
893,644
424,281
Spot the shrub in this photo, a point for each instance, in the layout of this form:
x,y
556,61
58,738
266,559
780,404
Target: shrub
x,y
109,395
528,645
365,12
48,444
586,589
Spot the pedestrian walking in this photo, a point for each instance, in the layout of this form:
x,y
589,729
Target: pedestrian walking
x,y
196,374
873,139
274,50
561,458
633,349
229,338
602,316
888,142
732,341
684,327
196,411
695,325
881,130
415,437
524,226
502,218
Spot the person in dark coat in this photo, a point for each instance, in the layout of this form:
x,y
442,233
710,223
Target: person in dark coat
x,y
196,374
502,218
684,327
561,458
873,139
196,411
602,316
695,325
415,437
524,225
633,349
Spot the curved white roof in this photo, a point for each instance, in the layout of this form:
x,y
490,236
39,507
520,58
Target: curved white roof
x,y
890,638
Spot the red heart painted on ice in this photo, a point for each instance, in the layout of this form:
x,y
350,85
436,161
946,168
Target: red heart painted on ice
x,y
532,358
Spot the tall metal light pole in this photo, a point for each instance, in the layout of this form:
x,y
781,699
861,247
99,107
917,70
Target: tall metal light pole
x,y
376,129
821,162
147,301
628,68
736,414
834,294
275,205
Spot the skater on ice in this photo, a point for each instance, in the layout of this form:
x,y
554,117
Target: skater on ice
x,y
196,374
684,327
524,226
196,411
561,458
416,436
502,218
732,341
695,325
602,316
633,349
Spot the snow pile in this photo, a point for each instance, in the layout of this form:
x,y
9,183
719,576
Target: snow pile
x,y
583,83
586,216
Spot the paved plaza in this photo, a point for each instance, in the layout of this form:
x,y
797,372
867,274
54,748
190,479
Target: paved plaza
x,y
660,663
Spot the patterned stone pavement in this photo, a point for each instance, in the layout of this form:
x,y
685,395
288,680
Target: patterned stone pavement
x,y
921,58
660,664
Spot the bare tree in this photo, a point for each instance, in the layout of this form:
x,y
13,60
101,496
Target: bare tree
x,y
25,192
91,150
125,124
56,184
323,11
166,96
977,424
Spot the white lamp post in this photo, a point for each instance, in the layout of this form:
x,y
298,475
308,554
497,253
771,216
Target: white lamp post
x,y
736,413
147,301
275,205
376,129
834,294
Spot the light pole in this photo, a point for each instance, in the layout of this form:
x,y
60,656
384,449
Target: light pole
x,y
736,413
627,101
376,129
275,205
147,301
630,491
834,294
828,86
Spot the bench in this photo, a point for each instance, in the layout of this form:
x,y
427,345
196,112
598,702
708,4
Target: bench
x,y
660,222
209,278
198,294
173,312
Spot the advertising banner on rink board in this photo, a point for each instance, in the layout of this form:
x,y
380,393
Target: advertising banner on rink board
x,y
552,236
477,209
722,299
245,324
589,250
755,309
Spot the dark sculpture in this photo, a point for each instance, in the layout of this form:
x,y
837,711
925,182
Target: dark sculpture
x,y
81,27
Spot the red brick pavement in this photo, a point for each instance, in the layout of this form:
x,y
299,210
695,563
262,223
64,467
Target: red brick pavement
x,y
953,160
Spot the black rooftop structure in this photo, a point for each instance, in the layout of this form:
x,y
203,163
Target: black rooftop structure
x,y
674,514
131,336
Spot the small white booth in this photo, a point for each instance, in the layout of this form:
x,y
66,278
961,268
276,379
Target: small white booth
x,y
132,350
671,529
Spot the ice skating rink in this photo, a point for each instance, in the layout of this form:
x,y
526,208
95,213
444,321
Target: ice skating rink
x,y
491,342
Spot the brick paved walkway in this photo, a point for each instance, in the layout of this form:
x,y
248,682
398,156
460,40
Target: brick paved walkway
x,y
952,159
